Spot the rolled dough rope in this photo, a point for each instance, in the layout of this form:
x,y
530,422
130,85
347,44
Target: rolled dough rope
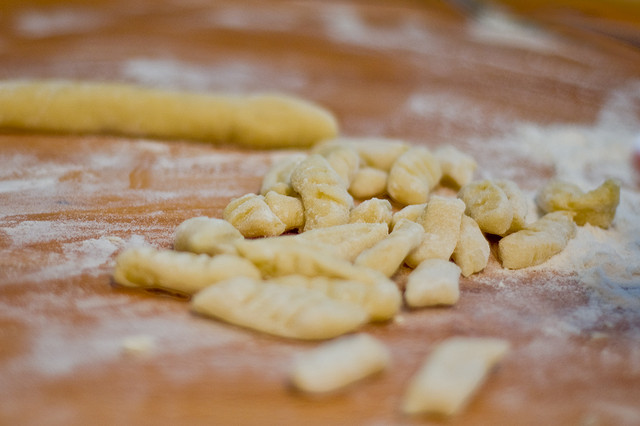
x,y
253,121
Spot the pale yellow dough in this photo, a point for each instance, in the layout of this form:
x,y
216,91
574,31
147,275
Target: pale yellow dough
x,y
279,310
256,121
178,272
336,364
452,374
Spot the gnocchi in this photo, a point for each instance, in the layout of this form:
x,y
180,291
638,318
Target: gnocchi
x,y
381,298
538,241
596,207
207,235
278,310
497,206
452,374
457,167
433,282
251,215
177,272
339,363
374,210
389,254
325,200
472,250
368,182
441,221
348,240
413,175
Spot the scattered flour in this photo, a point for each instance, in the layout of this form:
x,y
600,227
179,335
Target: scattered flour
x,y
42,23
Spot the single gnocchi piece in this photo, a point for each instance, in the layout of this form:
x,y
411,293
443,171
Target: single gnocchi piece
x,y
251,215
381,298
349,240
411,212
282,311
177,272
441,221
207,235
345,161
288,209
498,207
368,182
278,177
289,255
472,250
389,254
433,282
339,363
374,210
325,199
413,175
538,241
452,374
596,207
457,167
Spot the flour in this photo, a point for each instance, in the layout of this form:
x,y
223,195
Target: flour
x,y
57,21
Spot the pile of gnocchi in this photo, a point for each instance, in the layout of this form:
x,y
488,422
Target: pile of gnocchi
x,y
312,254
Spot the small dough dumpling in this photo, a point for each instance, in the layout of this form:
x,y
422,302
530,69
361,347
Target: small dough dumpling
x,y
368,182
498,207
596,207
413,175
279,310
288,209
206,235
457,167
251,215
338,363
278,177
324,197
374,210
472,250
538,241
178,272
433,282
378,153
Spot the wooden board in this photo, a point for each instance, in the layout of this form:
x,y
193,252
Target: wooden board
x,y
526,101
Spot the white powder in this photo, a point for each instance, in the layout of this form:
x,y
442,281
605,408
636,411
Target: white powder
x,y
57,21
494,26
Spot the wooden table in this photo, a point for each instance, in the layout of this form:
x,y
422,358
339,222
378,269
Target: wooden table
x,y
425,72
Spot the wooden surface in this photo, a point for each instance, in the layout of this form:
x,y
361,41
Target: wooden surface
x,y
427,72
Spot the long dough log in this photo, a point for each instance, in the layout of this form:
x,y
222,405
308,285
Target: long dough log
x,y
257,121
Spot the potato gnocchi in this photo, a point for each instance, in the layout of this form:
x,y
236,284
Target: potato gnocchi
x,y
452,374
279,310
389,254
498,207
178,272
433,282
381,299
339,363
206,235
441,221
596,207
325,200
413,175
251,215
539,241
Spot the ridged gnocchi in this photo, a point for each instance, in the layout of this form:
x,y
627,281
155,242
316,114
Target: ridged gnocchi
x,y
279,310
596,207
251,215
178,272
413,175
339,363
206,235
538,241
325,199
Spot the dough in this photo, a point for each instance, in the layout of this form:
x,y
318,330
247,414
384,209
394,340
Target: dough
x,y
257,121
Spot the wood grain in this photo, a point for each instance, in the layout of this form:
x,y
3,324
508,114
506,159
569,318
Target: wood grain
x,y
421,71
